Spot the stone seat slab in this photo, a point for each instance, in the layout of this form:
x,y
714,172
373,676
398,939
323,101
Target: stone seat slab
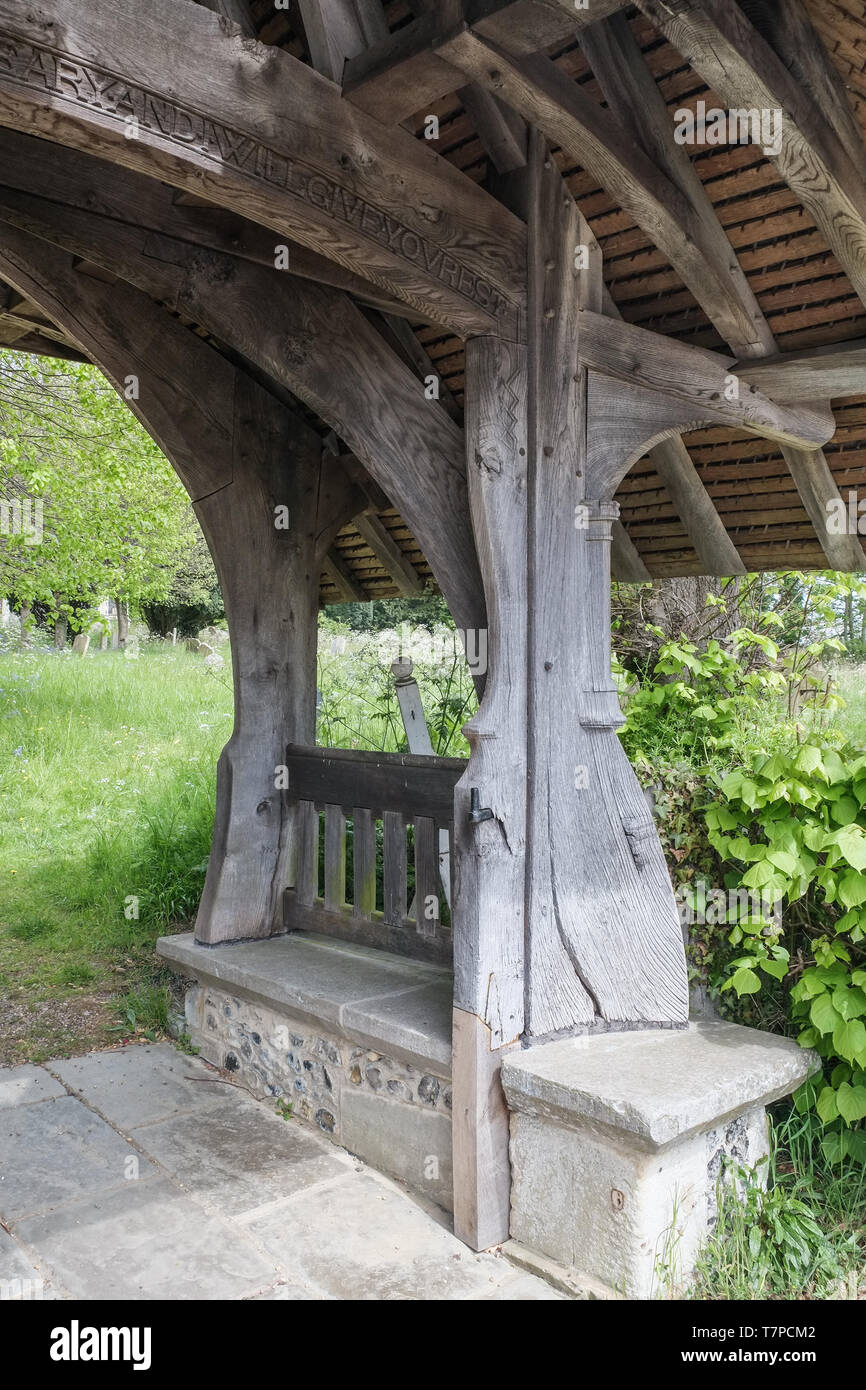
x,y
657,1086
400,1007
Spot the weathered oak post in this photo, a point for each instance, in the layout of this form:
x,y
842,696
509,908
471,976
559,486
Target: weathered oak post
x,y
268,532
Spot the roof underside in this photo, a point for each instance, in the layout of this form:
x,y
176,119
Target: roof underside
x,y
804,294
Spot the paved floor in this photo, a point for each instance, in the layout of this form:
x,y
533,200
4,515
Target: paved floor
x,y
139,1174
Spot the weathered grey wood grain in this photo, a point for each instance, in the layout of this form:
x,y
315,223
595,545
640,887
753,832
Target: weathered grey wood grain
x,y
363,862
426,876
338,29
699,379
479,1122
351,777
306,883
489,856
394,864
373,931
335,859
84,182
401,74
500,130
261,133
238,11
400,335
816,374
337,364
525,26
590,905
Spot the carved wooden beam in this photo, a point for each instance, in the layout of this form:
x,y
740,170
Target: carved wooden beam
x,y
319,345
820,165
264,135
85,182
838,369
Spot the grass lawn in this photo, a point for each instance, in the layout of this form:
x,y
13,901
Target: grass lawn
x,y
106,785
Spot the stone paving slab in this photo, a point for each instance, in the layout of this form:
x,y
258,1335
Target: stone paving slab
x,y
360,1238
238,1155
145,1241
289,1292
230,1202
139,1085
27,1085
20,1278
56,1152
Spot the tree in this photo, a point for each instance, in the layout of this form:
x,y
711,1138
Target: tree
x,y
92,507
193,600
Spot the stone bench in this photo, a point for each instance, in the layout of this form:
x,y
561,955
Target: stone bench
x,y
358,1040
618,1141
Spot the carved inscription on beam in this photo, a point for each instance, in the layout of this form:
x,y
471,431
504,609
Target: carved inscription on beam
x,y
263,134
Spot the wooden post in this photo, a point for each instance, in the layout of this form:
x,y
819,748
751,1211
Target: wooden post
x,y
604,948
489,852
261,530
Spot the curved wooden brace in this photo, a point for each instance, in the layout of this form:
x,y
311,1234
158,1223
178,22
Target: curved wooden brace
x,y
314,341
626,419
240,453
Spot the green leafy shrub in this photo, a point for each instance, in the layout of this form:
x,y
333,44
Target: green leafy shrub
x,y
795,824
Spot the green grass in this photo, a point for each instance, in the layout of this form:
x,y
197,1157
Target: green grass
x,y
802,1237
107,786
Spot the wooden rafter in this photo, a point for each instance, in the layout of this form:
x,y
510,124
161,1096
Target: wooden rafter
x,y
386,550
815,158
635,100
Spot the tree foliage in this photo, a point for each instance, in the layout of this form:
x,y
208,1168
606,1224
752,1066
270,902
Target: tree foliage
x,y
115,519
